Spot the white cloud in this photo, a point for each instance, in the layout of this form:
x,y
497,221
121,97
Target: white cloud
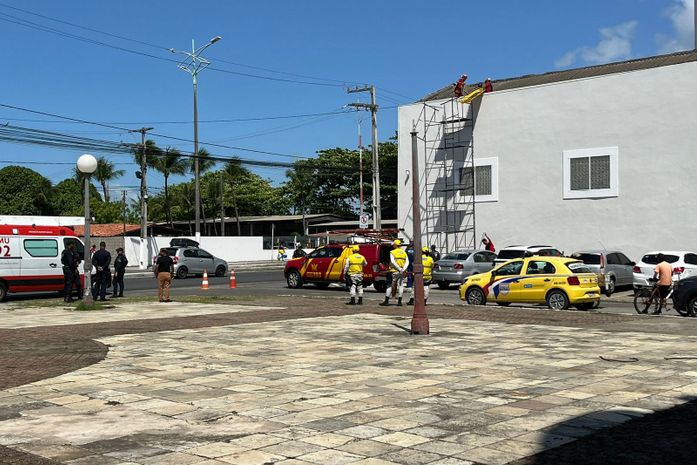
x,y
681,13
615,44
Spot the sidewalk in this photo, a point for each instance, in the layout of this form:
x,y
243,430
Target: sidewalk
x,y
317,383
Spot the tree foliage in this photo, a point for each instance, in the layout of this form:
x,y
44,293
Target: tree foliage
x,y
24,192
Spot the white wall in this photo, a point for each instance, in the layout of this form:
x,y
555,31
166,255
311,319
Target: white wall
x,y
232,249
42,220
649,115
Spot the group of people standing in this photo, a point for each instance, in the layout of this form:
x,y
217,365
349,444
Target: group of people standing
x,y
102,277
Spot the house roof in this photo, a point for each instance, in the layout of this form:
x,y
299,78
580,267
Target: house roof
x,y
576,73
107,230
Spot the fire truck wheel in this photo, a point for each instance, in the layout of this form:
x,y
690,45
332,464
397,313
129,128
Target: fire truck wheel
x,y
294,280
3,291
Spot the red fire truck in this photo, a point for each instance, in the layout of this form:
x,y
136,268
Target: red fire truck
x,y
30,258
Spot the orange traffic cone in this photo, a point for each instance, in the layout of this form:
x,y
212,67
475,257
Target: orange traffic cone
x,y
233,280
204,284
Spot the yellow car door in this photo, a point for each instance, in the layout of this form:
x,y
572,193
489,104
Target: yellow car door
x,y
505,285
539,278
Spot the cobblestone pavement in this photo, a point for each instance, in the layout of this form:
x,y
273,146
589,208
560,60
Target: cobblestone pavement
x,y
263,385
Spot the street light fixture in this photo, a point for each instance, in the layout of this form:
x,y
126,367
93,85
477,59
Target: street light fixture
x,y
87,165
194,64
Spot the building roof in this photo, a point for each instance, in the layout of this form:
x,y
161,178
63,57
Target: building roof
x,y
269,219
107,230
576,73
349,223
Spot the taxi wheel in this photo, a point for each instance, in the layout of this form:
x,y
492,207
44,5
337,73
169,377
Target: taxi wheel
x,y
557,300
3,291
294,280
475,296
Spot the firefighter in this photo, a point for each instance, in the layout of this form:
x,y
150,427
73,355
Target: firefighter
x,y
459,85
353,272
427,262
399,262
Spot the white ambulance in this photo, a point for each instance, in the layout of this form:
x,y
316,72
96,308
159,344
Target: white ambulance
x,y
30,258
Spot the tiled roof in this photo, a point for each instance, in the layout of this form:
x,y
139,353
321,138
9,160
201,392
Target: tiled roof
x,y
577,73
107,230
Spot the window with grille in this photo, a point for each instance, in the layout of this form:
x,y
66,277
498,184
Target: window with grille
x,y
591,173
482,180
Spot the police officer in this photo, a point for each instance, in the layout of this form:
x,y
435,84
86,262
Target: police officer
x,y
427,262
399,262
101,261
120,263
67,260
353,271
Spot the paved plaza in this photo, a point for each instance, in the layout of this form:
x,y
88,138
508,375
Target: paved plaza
x,y
261,384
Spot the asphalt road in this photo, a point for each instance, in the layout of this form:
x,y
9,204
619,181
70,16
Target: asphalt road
x,y
272,283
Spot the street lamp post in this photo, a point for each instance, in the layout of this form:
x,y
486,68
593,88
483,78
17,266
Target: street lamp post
x,y
87,165
419,321
194,64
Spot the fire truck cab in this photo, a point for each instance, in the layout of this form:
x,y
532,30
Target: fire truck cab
x,y
30,258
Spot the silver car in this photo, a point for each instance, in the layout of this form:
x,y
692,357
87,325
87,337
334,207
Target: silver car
x,y
612,265
455,266
194,260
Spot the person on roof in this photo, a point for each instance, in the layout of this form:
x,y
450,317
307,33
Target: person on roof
x,y
399,262
459,85
353,272
488,86
427,262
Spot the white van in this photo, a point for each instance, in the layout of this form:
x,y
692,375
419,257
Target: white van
x,y
30,258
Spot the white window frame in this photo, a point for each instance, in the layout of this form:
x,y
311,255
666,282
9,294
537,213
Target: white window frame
x,y
613,191
494,163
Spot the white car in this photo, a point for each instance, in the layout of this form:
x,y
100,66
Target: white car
x,y
684,264
519,251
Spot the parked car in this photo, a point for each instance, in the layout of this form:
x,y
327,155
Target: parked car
x,y
614,267
520,251
455,266
685,296
556,281
684,265
194,261
325,265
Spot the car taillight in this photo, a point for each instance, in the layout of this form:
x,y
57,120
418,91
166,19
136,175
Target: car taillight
x,y
458,266
176,260
678,270
636,269
573,281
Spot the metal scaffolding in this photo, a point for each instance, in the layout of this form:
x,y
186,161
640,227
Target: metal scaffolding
x,y
449,174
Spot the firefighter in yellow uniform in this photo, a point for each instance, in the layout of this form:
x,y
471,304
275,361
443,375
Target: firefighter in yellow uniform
x,y
427,262
399,262
353,272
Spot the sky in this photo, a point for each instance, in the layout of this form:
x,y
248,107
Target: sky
x,y
109,62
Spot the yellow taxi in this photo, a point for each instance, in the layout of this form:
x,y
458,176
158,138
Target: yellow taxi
x,y
556,281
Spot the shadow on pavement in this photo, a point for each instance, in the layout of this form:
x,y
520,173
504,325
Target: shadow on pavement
x,y
664,437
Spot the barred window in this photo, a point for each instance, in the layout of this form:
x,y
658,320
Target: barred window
x,y
482,180
591,173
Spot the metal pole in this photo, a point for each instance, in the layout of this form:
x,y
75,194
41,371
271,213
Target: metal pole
x,y
419,321
273,227
143,264
197,179
377,211
123,208
222,203
87,299
360,167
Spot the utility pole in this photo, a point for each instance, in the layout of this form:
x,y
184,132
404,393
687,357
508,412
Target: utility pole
x,y
360,167
372,106
143,265
123,208
222,203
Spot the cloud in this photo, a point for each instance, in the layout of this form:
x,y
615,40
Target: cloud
x,y
615,44
681,14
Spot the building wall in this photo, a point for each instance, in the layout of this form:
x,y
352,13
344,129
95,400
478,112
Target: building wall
x,y
650,116
232,249
112,243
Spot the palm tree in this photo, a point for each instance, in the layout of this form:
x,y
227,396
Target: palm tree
x,y
169,162
151,152
105,172
233,170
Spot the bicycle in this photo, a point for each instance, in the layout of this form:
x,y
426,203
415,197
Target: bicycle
x,y
646,298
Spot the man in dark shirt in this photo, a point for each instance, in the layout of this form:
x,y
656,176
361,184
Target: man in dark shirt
x,y
68,272
164,270
101,261
120,263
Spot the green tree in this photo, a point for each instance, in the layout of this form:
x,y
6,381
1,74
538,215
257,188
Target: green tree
x,y
107,212
152,151
169,162
67,197
24,192
106,171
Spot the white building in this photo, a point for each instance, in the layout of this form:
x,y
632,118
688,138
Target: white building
x,y
603,156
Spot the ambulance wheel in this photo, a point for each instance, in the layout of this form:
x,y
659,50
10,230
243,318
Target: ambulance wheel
x,y
3,291
294,280
182,272
380,286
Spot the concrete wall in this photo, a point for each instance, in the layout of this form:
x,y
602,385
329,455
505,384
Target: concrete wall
x,y
232,249
112,243
648,115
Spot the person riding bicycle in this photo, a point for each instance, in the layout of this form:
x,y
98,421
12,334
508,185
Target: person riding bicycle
x,y
663,273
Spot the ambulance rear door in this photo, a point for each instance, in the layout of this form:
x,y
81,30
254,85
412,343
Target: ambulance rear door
x,y
41,264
